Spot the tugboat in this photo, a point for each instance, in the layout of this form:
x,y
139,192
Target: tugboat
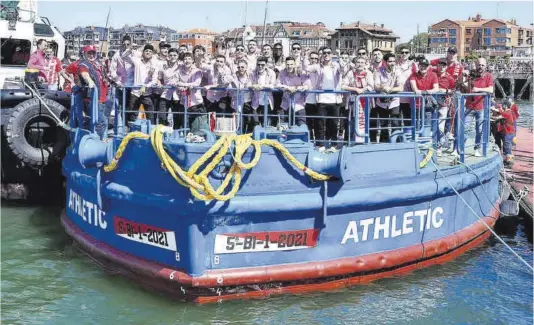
x,y
32,144
237,216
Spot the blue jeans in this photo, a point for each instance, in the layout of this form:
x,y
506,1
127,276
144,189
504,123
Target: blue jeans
x,y
478,116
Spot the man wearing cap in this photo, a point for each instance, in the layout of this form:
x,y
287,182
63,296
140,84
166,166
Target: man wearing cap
x,y
425,82
454,68
161,63
446,85
90,75
145,75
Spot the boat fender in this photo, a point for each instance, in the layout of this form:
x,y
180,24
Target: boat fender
x,y
509,208
23,114
93,152
334,164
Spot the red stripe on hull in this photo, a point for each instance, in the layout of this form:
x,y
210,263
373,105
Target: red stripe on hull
x,y
384,264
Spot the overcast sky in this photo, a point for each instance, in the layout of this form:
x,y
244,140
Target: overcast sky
x,y
401,17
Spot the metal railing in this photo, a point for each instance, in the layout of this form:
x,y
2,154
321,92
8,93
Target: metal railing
x,y
421,127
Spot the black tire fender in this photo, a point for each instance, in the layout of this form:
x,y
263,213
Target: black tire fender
x,y
22,114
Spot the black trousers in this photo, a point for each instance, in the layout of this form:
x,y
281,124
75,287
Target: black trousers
x,y
327,129
250,118
311,110
196,115
163,111
134,104
277,115
386,117
224,105
406,111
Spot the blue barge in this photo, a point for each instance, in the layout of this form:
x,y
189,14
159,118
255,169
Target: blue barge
x,y
245,216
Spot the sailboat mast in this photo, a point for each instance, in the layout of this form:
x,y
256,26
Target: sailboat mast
x,y
264,23
107,30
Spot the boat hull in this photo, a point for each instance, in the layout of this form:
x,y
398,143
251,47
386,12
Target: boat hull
x,y
265,282
281,233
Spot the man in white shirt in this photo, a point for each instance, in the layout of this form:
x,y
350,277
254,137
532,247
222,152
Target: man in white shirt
x,y
145,75
330,77
388,80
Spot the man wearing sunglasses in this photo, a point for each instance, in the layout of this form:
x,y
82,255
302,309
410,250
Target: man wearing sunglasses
x,y
293,82
406,68
243,80
296,53
454,68
240,54
263,78
329,75
311,59
481,81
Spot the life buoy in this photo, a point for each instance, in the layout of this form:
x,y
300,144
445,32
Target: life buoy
x,y
30,116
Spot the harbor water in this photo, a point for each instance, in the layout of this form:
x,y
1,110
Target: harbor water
x,y
46,280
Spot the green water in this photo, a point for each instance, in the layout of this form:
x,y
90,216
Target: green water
x,y
45,280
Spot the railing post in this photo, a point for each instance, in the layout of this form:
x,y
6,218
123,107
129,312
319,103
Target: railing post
x,y
367,114
461,142
265,108
239,105
94,110
414,119
115,111
72,109
435,128
124,105
291,112
485,126
186,100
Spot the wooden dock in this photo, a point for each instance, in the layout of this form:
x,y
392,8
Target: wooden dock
x,y
521,172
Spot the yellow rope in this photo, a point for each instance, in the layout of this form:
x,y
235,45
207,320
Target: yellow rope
x,y
427,158
198,182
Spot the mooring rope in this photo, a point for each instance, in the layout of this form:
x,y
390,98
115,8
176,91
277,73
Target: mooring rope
x,y
480,219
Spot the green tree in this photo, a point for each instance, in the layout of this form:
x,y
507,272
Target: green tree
x,y
419,42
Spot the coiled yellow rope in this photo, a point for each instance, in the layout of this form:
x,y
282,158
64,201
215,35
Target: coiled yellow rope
x,y
198,182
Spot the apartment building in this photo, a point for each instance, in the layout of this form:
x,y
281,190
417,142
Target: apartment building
x,y
193,37
77,38
350,37
285,32
107,40
489,37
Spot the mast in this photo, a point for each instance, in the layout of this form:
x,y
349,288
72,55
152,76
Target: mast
x,y
246,12
264,23
107,32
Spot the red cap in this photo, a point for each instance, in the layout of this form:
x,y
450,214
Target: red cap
x,y
89,48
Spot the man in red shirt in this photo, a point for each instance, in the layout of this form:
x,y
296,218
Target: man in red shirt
x,y
446,85
37,59
92,75
424,82
480,81
506,132
454,68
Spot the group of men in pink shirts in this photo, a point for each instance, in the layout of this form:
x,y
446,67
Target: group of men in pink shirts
x,y
198,82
